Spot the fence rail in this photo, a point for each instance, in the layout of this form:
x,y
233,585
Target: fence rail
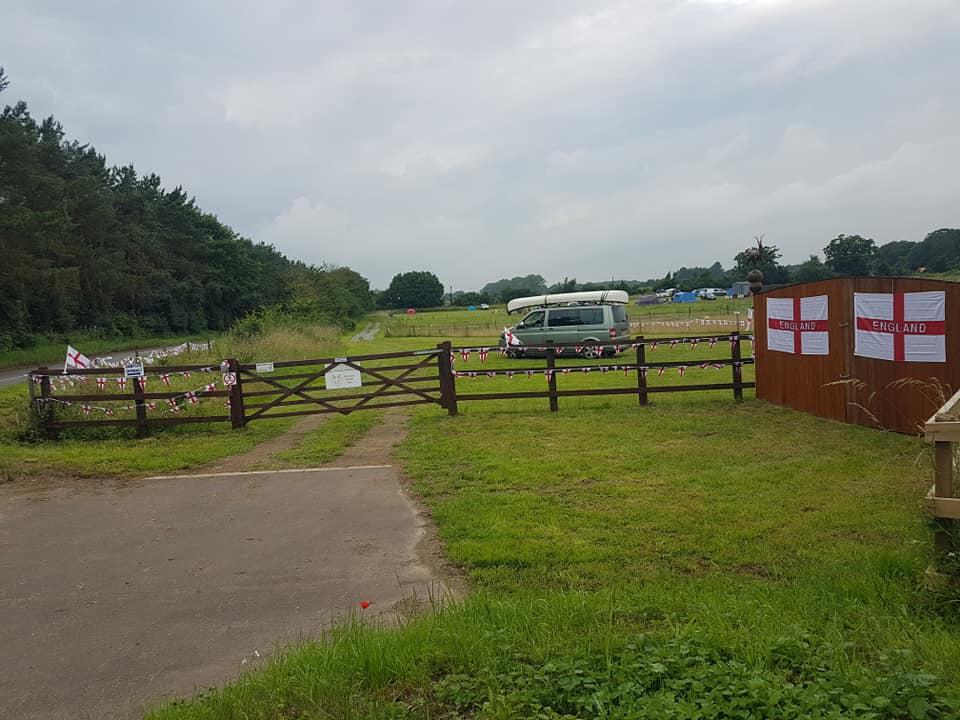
x,y
252,392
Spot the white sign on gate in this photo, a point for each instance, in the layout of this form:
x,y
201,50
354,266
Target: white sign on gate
x,y
133,370
342,376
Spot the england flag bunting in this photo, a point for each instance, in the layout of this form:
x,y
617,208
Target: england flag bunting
x,y
122,383
510,338
902,327
76,359
682,370
86,409
465,354
661,371
165,379
101,383
799,326
143,383
482,352
211,387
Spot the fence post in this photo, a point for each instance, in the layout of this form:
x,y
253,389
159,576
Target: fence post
x,y
552,375
737,366
641,371
237,419
140,401
448,383
45,409
943,487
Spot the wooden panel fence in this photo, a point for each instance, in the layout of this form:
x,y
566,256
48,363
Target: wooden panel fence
x,y
846,387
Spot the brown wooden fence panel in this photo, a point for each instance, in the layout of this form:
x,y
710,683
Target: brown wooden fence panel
x,y
841,386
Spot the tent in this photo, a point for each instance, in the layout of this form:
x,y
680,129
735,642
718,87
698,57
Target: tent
x,y
684,297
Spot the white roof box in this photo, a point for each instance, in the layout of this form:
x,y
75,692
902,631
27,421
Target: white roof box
x,y
570,298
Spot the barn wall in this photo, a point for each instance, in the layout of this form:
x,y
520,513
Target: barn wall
x,y
897,396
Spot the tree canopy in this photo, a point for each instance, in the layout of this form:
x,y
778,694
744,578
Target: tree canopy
x,y
90,247
414,289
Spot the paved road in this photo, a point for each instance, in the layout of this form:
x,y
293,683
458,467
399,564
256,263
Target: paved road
x,y
115,597
13,376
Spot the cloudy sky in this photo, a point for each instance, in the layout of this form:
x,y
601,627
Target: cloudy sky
x,y
482,140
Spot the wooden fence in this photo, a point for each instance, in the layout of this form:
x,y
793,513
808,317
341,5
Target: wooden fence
x,y
843,386
249,392
943,429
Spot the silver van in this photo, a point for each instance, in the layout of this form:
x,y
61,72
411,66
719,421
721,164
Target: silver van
x,y
564,318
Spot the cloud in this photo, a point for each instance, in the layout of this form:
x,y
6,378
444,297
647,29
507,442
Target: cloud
x,y
487,140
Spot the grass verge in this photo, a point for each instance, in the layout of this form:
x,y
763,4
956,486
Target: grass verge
x,y
694,558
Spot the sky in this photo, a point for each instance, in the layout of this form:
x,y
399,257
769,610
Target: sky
x,y
487,140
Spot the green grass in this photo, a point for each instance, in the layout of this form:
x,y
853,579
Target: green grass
x,y
328,442
695,558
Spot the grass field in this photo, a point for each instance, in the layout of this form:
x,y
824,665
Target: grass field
x,y
693,558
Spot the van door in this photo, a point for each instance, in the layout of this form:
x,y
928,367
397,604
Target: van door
x,y
562,326
531,330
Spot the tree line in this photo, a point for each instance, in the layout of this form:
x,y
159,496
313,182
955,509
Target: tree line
x,y
91,248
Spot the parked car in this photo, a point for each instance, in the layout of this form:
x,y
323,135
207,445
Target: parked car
x,y
583,317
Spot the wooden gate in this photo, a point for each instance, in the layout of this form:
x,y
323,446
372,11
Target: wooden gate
x,y
264,391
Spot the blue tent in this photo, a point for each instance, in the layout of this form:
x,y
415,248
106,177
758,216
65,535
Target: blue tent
x,y
684,297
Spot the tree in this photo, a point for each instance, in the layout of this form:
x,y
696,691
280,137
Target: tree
x,y
416,289
937,252
811,270
4,80
850,255
893,258
765,258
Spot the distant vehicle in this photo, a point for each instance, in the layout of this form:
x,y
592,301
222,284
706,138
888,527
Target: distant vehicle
x,y
579,317
484,306
666,293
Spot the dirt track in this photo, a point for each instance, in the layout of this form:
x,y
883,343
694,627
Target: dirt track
x,y
116,596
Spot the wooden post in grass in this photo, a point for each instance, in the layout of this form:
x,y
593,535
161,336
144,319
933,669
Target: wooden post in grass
x,y
448,384
237,419
641,370
943,488
737,366
141,403
45,409
552,375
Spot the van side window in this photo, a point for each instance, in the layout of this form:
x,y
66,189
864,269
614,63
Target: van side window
x,y
591,316
619,313
534,319
564,317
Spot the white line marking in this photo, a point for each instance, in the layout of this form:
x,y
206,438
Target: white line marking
x,y
270,472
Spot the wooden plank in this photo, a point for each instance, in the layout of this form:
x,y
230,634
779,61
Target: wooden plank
x,y
944,508
347,411
151,421
949,408
351,358
942,431
598,391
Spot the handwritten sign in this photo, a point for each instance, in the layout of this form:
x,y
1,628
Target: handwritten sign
x,y
342,376
133,370
265,367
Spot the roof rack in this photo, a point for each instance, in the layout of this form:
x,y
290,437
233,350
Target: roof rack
x,y
592,297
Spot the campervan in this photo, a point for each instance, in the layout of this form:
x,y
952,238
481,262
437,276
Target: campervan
x,y
580,318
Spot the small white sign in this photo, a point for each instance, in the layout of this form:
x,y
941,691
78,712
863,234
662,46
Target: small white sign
x,y
229,378
133,370
339,360
342,376
264,367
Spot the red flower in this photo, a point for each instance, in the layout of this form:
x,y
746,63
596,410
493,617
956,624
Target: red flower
x,y
364,604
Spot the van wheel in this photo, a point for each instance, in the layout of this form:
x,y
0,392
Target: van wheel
x,y
514,354
591,352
